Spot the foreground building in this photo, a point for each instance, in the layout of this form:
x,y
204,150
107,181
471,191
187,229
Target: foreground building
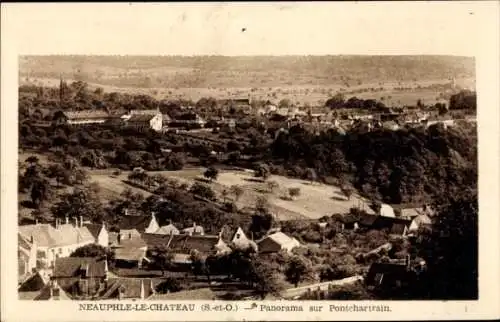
x,y
54,242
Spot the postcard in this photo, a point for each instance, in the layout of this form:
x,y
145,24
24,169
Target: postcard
x,y
250,161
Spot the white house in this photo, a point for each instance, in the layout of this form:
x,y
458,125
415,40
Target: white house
x,y
169,229
153,225
387,211
100,233
27,250
145,121
240,240
59,241
276,242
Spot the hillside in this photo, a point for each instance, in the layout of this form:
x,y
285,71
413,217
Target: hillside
x,y
243,71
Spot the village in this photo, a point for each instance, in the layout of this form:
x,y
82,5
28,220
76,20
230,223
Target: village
x,y
49,271
271,229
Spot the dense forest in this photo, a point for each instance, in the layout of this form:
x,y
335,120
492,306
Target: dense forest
x,y
407,165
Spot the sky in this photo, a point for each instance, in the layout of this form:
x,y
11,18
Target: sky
x,y
446,28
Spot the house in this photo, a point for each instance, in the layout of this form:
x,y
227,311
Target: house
x,y
241,241
386,211
100,233
27,251
81,277
129,247
194,230
81,117
141,223
54,242
420,221
393,225
388,275
52,292
182,245
31,287
188,120
144,119
276,242
206,245
129,289
169,229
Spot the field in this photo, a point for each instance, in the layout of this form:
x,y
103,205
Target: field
x,y
302,80
315,199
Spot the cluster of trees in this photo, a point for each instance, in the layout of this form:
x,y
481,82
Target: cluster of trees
x,y
338,101
465,99
392,166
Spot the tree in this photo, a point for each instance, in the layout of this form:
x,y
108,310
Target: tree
x,y
347,189
262,204
224,194
168,285
32,160
237,191
92,250
202,191
336,101
264,279
294,192
272,185
83,202
161,257
260,225
311,175
58,172
199,265
40,191
298,270
211,173
451,250
262,171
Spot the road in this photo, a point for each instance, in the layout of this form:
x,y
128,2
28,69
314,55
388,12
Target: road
x,y
297,291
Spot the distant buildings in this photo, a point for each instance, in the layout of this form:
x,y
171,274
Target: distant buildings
x,y
141,120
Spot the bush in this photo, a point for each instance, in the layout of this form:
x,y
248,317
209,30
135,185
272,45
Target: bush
x,y
203,191
169,285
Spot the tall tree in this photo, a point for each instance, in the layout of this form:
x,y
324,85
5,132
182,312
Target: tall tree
x,y
298,270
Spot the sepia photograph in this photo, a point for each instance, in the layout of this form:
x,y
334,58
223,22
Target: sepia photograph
x,y
248,152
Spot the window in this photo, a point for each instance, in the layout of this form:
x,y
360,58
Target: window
x,y
378,278
238,236
59,250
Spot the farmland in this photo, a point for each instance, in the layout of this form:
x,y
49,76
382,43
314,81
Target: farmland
x,y
302,80
315,200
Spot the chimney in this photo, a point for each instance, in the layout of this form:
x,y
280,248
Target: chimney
x,y
151,286
142,289
67,220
